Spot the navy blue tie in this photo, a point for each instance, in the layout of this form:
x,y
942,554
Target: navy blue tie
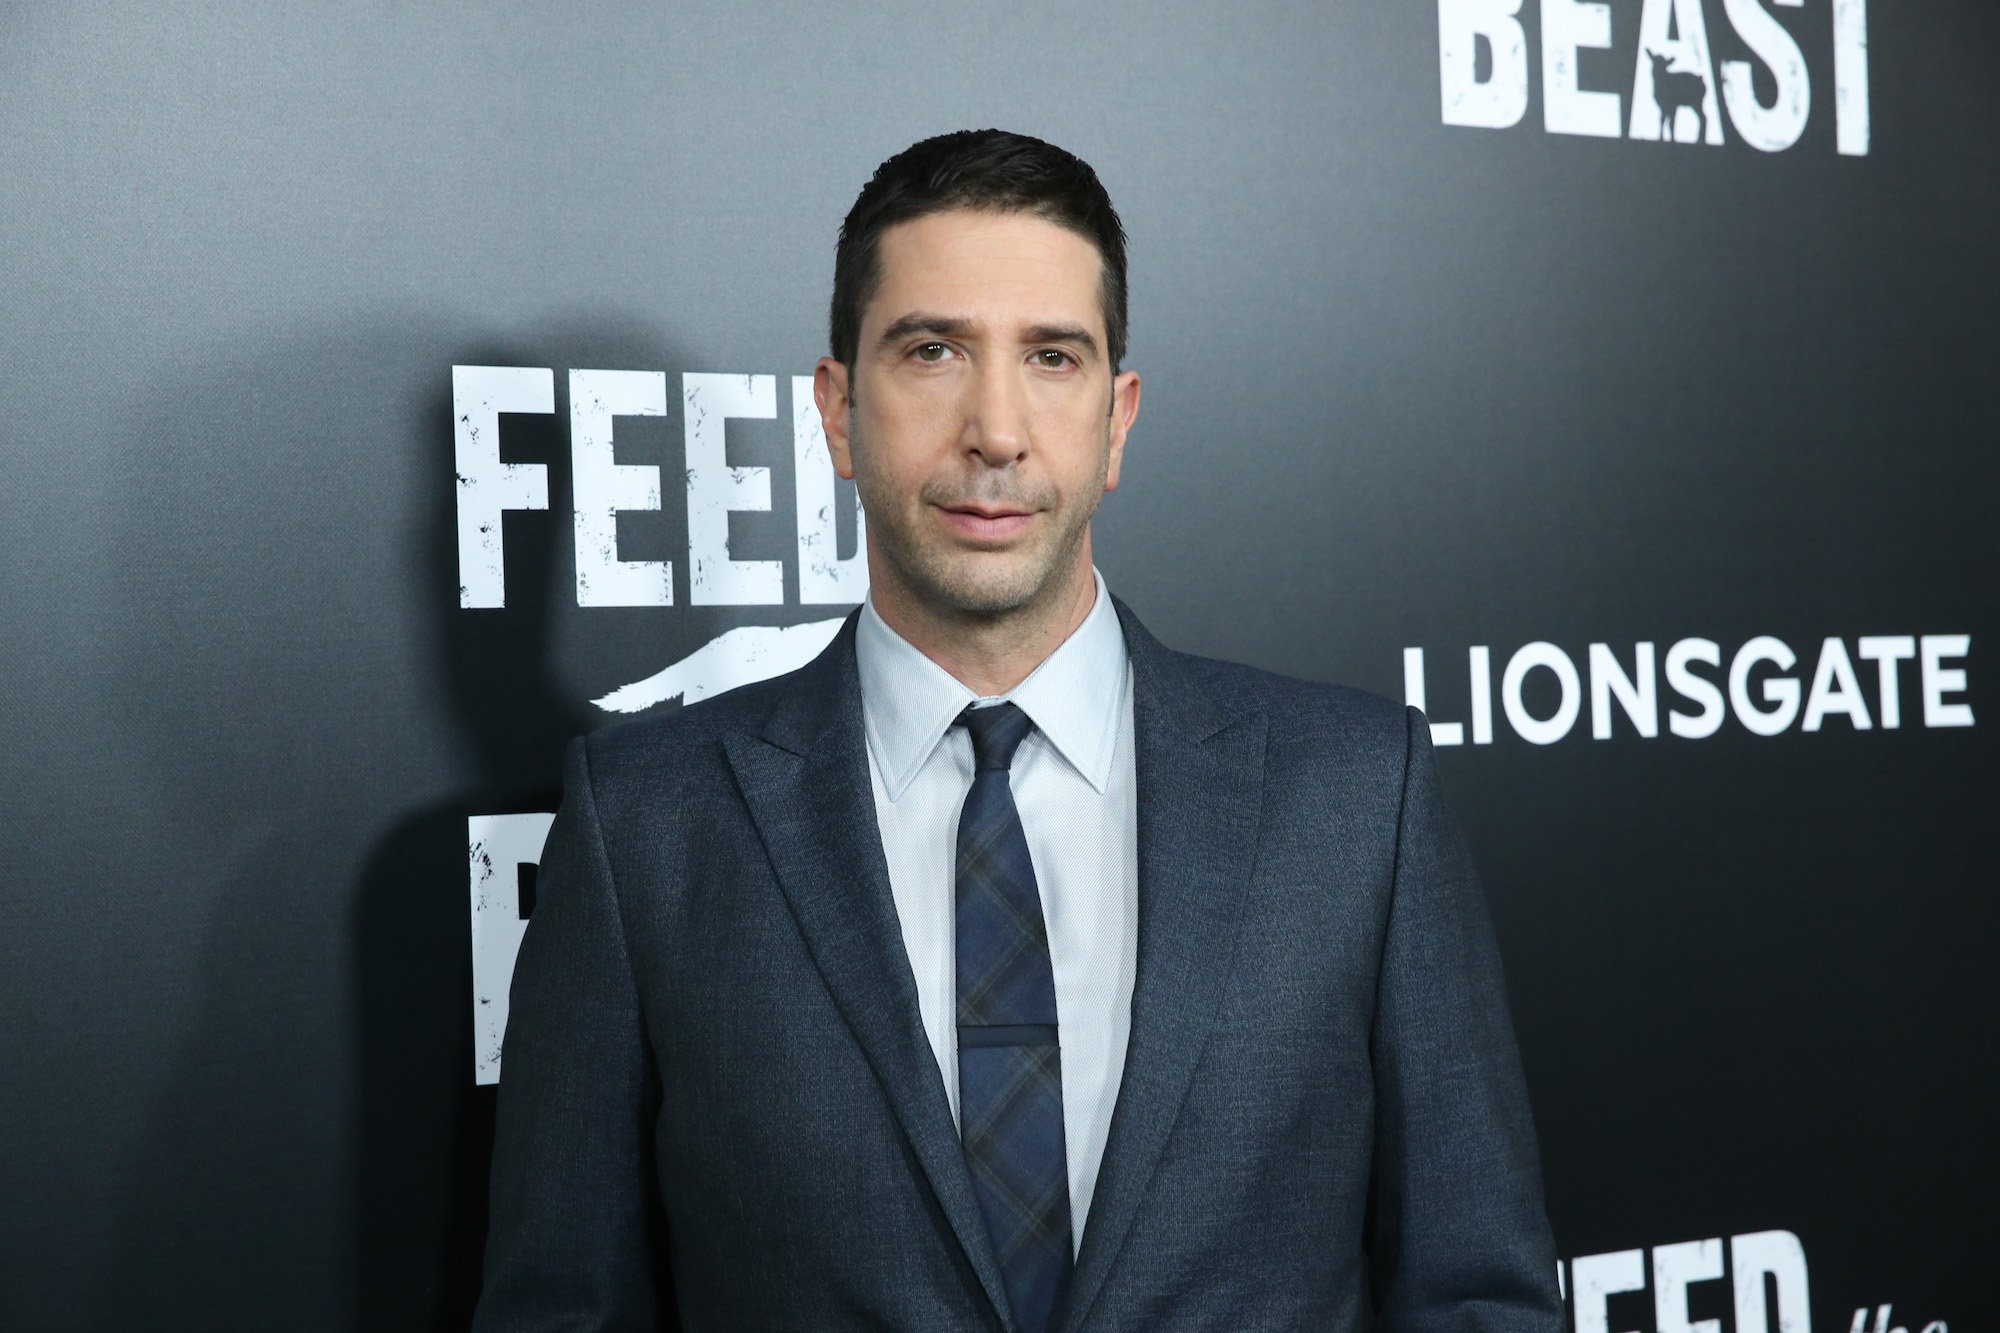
x,y
1010,1111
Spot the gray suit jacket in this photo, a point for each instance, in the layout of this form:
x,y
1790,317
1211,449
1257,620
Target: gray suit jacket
x,y
718,1106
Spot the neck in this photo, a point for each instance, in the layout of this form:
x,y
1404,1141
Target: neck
x,y
989,654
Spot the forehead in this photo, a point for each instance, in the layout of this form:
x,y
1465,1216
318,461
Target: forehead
x,y
1001,267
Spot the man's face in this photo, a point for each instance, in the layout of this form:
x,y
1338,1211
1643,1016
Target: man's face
x,y
980,419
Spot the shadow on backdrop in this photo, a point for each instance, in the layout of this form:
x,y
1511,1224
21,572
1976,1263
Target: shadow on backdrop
x,y
257,641
312,1152
425,1129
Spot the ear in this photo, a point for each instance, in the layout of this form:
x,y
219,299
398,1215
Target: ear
x,y
1124,411
830,392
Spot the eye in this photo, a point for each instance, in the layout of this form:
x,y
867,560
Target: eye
x,y
932,353
1053,358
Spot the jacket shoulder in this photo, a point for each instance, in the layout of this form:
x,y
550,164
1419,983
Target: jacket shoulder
x,y
1303,711
677,738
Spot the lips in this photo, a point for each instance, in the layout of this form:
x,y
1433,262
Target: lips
x,y
985,522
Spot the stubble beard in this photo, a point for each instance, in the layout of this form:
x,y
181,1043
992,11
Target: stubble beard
x,y
970,584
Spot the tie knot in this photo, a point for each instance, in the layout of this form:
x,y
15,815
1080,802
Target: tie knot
x,y
996,733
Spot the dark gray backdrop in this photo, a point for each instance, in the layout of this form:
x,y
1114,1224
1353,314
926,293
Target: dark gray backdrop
x,y
1408,384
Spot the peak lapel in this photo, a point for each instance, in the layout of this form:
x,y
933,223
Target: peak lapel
x,y
1201,778
805,780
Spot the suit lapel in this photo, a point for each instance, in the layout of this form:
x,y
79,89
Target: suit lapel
x,y
1200,776
805,780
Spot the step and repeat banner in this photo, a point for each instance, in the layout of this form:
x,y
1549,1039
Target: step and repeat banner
x,y
393,392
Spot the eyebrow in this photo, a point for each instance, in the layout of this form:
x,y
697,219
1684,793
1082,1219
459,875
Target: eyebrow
x,y
944,326
951,326
1063,333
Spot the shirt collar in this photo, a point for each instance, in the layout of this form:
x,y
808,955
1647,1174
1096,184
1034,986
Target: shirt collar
x,y
908,701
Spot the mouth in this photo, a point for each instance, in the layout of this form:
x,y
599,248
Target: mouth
x,y
983,522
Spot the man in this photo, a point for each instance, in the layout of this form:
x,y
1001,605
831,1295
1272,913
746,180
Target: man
x,y
1003,969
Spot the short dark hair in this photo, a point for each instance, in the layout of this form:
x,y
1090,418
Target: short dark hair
x,y
989,170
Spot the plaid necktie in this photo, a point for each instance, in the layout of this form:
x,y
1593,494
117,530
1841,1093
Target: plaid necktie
x,y
1010,1110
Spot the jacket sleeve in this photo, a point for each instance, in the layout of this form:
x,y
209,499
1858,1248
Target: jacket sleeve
x,y
1458,1237
576,1233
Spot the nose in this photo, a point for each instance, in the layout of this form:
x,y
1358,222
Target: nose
x,y
996,417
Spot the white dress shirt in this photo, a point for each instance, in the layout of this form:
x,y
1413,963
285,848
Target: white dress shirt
x,y
1074,784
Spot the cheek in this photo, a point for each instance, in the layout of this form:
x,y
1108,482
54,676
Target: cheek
x,y
898,443
930,417
1074,439
909,413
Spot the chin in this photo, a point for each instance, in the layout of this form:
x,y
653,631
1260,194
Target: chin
x,y
953,579
988,596
984,586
